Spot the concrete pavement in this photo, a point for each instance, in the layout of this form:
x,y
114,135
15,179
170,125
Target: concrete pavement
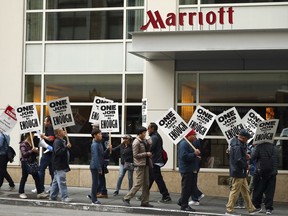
x,y
208,205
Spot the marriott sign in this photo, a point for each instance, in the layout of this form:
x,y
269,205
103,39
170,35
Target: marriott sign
x,y
222,16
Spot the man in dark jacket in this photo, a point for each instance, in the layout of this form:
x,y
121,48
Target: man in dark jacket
x,y
155,171
265,182
187,158
60,165
238,172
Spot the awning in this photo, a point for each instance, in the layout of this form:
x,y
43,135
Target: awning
x,y
213,44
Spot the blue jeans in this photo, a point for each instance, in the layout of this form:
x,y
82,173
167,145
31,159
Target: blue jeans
x,y
46,161
59,183
95,177
122,173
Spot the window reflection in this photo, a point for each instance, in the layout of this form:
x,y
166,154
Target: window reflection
x,y
32,88
135,19
34,27
63,4
237,1
133,118
134,88
135,2
34,4
84,25
83,88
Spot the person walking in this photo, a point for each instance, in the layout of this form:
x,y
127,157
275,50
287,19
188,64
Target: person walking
x,y
187,158
60,165
238,172
266,158
141,155
155,171
4,145
29,154
126,159
96,164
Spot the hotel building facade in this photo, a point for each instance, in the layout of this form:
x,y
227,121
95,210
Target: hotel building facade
x,y
175,53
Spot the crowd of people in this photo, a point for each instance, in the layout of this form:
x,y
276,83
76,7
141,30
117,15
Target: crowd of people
x,y
143,156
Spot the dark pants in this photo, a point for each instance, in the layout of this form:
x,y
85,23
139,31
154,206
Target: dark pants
x,y
102,184
46,161
3,171
24,179
196,193
95,177
155,175
186,189
264,185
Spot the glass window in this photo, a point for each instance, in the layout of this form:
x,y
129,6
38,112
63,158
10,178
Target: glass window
x,y
135,19
135,2
134,88
187,2
237,1
34,27
133,118
244,88
32,88
65,4
84,25
34,4
83,88
187,88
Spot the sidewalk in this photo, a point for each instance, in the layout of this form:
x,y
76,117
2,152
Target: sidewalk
x,y
208,205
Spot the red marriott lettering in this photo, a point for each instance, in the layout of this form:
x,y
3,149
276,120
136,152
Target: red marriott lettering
x,y
210,18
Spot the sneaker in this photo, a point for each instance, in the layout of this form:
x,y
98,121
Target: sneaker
x,y
268,212
138,198
89,196
115,193
126,202
23,196
96,203
47,191
239,207
165,199
34,190
147,205
201,196
188,208
67,199
232,214
258,210
196,203
42,195
11,188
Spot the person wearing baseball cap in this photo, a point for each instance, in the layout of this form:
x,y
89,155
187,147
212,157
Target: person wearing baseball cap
x,y
187,160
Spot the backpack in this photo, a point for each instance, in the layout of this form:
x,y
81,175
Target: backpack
x,y
10,151
265,165
164,156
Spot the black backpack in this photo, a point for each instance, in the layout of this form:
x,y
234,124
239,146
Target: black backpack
x,y
10,151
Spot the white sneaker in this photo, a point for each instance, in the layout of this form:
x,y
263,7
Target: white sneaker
x,y
201,196
239,207
195,203
34,190
42,195
67,199
23,196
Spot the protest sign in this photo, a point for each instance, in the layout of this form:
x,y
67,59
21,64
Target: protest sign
x,y
250,122
8,120
95,113
230,123
61,113
109,120
144,112
266,131
201,121
27,118
173,126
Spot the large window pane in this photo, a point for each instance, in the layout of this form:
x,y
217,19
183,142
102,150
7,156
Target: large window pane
x,y
83,88
135,19
133,118
32,88
186,88
34,27
134,88
34,4
244,88
63,4
85,25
